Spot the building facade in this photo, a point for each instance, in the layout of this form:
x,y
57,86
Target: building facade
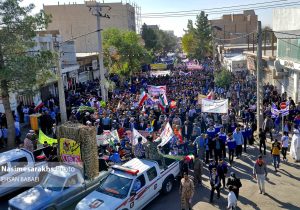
x,y
287,30
235,25
73,20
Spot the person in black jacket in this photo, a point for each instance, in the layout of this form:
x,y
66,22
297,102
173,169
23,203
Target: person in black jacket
x,y
262,140
222,169
235,183
215,184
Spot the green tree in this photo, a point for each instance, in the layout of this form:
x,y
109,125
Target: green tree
x,y
197,41
167,42
223,78
123,51
189,44
19,69
150,37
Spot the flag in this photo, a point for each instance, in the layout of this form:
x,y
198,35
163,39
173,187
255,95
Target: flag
x,y
161,107
39,105
115,135
144,96
173,104
135,136
166,135
211,95
178,134
119,105
274,111
43,138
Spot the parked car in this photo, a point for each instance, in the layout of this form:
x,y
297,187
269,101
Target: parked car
x,y
132,185
62,186
20,168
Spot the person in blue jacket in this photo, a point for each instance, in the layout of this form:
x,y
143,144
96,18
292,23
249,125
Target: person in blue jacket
x,y
231,147
239,140
223,137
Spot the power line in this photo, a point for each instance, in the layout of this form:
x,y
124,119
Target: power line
x,y
217,8
225,11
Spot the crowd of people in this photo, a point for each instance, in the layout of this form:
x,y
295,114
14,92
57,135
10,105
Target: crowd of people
x,y
213,139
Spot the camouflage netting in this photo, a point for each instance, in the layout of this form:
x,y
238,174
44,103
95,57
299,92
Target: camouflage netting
x,y
86,137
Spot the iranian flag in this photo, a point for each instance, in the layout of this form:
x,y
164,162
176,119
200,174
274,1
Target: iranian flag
x,y
143,98
163,100
39,105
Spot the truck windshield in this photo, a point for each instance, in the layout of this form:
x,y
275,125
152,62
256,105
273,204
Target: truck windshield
x,y
115,186
52,182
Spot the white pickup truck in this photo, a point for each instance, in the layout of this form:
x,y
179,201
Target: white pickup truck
x,y
20,168
132,185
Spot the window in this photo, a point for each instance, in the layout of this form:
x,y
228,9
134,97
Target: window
x,y
19,163
139,183
116,186
3,169
72,181
152,173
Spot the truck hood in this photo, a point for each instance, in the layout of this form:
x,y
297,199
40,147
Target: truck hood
x,y
98,201
33,198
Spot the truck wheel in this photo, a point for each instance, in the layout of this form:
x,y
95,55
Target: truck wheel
x,y
168,185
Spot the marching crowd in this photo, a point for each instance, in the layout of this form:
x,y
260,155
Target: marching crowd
x,y
213,139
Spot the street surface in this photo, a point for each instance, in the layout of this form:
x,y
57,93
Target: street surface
x,y
282,188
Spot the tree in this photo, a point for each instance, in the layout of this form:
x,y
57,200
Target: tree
x,y
19,69
197,41
223,78
123,51
167,42
150,37
189,44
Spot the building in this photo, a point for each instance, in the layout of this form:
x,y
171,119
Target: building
x,y
48,40
235,25
287,30
73,20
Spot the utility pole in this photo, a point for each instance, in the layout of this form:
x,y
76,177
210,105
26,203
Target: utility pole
x,y
61,90
96,10
259,76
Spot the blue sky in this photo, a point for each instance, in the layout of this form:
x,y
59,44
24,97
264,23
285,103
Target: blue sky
x,y
179,23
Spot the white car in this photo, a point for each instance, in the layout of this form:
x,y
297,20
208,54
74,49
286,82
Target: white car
x,y
20,168
132,185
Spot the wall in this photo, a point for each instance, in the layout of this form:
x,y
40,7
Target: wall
x,y
75,19
236,23
286,19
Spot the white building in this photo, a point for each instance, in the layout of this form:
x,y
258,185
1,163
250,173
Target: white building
x,y
286,25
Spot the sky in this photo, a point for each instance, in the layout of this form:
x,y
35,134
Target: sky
x,y
178,24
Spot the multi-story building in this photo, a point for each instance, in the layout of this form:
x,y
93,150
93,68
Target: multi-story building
x,y
49,40
235,25
73,20
287,30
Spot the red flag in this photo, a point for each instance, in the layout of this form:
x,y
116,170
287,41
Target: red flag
x,y
173,104
143,98
38,106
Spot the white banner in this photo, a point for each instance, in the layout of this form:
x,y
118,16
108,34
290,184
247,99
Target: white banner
x,y
156,90
166,135
214,106
135,136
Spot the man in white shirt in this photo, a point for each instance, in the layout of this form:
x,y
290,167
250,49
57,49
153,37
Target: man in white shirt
x,y
232,201
285,144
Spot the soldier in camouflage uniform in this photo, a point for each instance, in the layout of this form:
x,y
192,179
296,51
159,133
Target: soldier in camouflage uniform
x,y
151,151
